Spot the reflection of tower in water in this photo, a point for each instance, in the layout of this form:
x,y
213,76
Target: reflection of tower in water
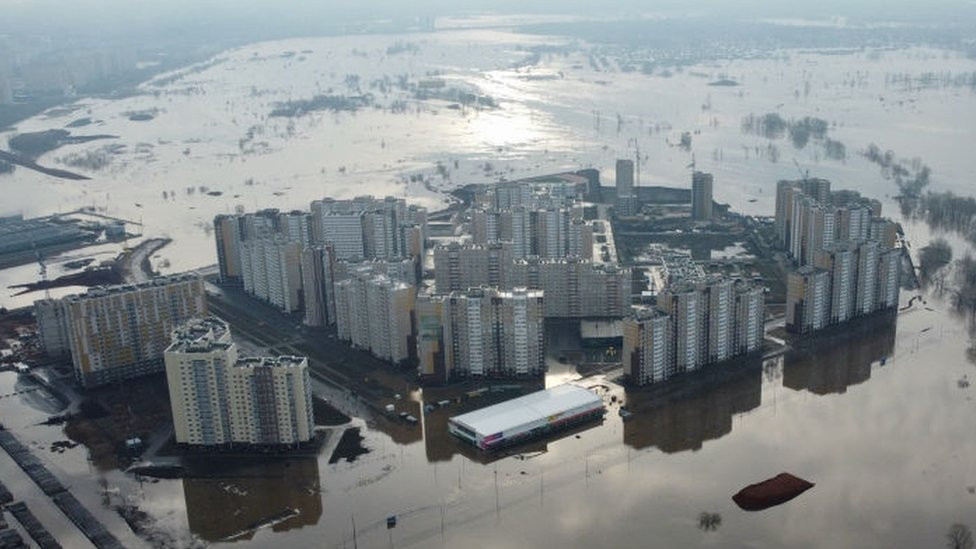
x,y
832,362
231,502
682,414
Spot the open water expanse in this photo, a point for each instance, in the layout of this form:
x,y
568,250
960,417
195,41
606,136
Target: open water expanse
x,y
878,420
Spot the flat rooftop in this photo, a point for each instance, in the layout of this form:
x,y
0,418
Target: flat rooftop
x,y
525,409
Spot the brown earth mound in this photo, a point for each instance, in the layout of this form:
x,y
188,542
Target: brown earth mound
x,y
768,493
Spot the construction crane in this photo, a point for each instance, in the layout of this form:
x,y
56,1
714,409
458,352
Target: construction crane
x,y
43,268
803,175
637,158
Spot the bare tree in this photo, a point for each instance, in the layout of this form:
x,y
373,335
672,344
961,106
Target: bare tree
x,y
709,522
959,537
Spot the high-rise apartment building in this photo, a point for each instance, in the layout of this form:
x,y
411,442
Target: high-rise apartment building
x,y
840,260
554,232
807,300
220,399
196,373
626,201
227,233
345,232
719,318
294,226
810,218
375,313
120,332
318,277
459,267
701,196
696,323
750,318
683,303
786,191
576,288
889,279
866,292
368,227
854,222
482,332
647,346
272,272
52,327
885,232
231,231
496,333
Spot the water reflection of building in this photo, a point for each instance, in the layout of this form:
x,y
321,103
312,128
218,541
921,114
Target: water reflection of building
x,y
832,363
682,415
232,500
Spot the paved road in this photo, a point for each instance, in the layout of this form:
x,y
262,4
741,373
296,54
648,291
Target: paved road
x,y
332,361
133,264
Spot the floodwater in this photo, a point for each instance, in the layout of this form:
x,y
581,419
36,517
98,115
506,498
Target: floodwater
x,y
877,418
212,147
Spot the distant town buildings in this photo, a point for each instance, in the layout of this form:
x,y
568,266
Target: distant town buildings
x,y
119,332
701,196
848,262
218,398
696,322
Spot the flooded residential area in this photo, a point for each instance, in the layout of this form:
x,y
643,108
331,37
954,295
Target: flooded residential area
x,y
875,413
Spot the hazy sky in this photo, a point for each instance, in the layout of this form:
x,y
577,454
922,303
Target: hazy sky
x,y
261,19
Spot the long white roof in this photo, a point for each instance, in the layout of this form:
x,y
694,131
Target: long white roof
x,y
510,414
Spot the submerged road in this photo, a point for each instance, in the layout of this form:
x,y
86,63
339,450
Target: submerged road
x,y
31,165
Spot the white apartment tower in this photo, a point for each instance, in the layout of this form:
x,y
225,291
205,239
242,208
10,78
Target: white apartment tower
x,y
218,398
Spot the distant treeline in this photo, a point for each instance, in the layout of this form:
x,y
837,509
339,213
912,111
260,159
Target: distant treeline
x,y
949,212
333,103
801,132
911,177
